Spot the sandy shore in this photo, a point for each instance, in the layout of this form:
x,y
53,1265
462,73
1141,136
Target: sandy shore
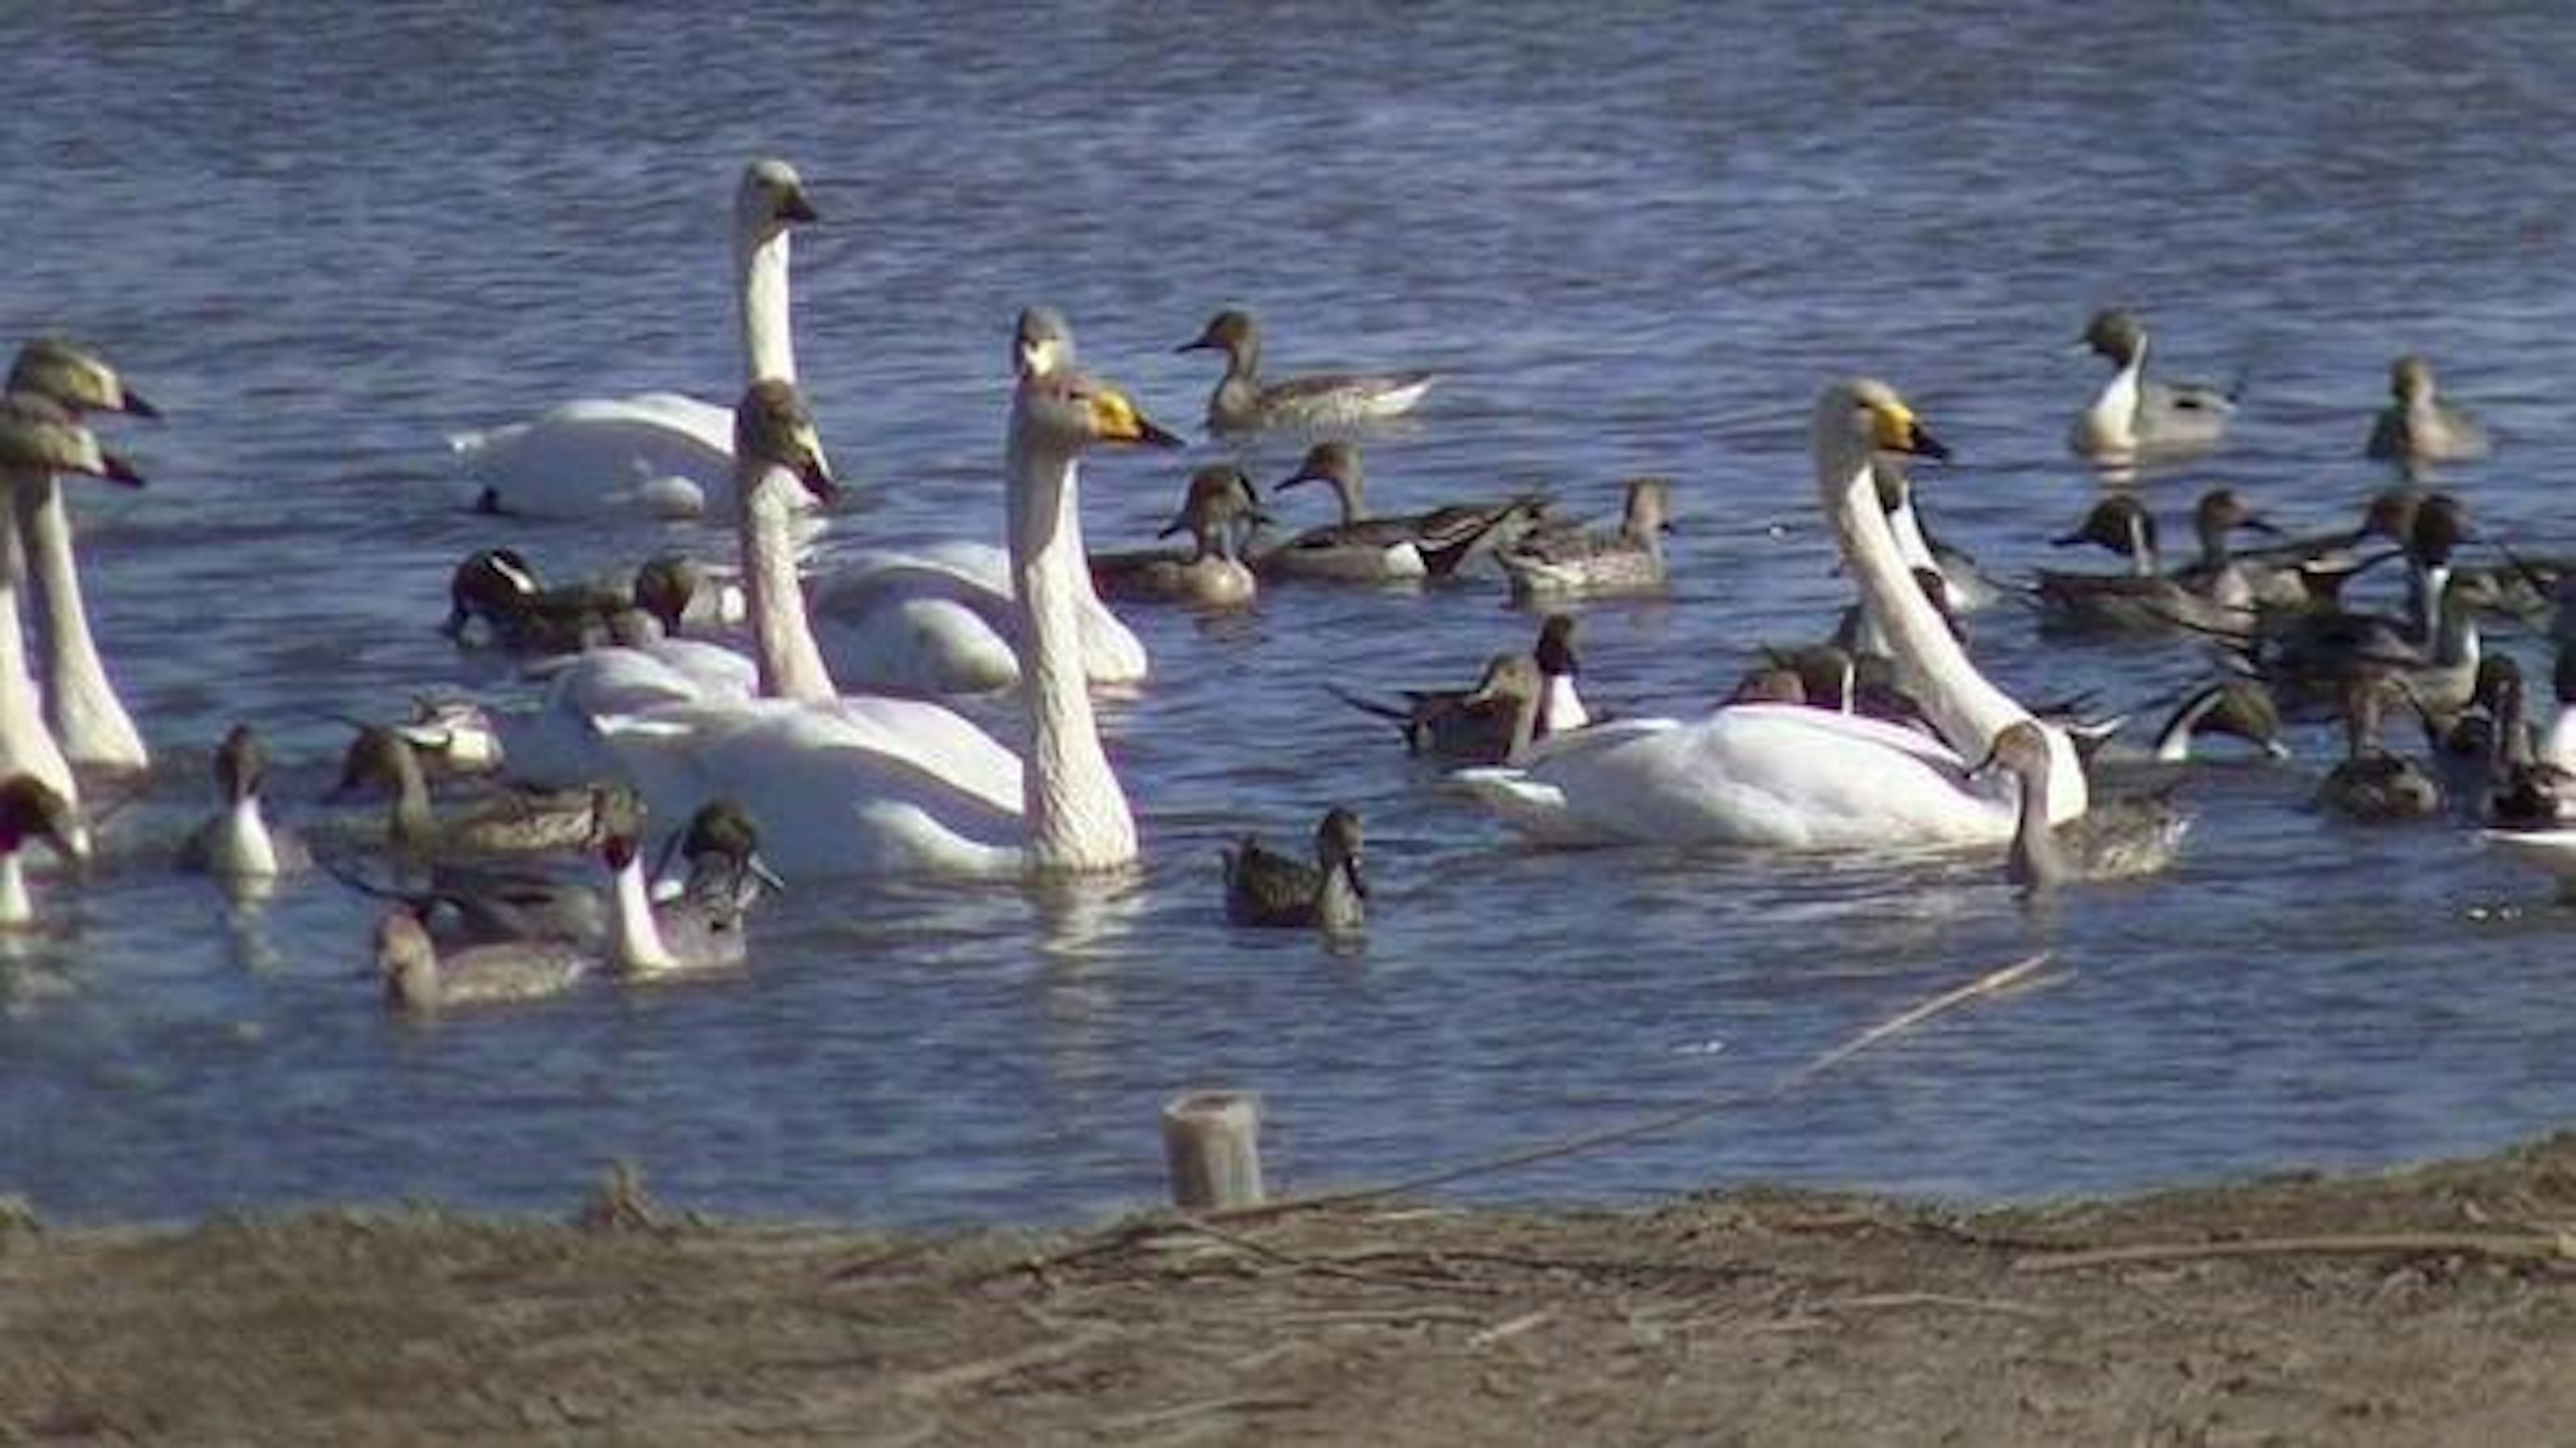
x,y
2433,1305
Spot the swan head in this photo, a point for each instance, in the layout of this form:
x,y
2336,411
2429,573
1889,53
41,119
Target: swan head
x,y
74,376
42,435
2115,333
1219,496
1860,418
241,763
773,429
31,809
2410,379
1070,410
1041,342
491,584
1337,847
771,199
1232,332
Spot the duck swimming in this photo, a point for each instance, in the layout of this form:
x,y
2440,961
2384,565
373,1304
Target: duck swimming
x,y
238,843
2215,595
2137,418
421,979
658,453
2119,837
1220,503
1481,724
1265,888
1789,775
1362,548
30,809
2418,429
1244,403
1565,560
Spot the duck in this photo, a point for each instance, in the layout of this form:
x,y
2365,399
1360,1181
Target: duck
x,y
1444,725
2135,417
940,619
2418,429
2214,596
498,588
421,979
1562,559
1243,403
30,809
2240,708
511,822
699,930
239,843
1789,775
868,785
1220,502
2372,785
1362,548
2119,837
82,705
659,453
1266,889
40,439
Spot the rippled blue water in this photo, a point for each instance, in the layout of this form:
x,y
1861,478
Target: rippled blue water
x,y
1636,241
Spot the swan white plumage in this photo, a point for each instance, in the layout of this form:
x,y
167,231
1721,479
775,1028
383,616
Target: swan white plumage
x,y
661,453
941,618
872,785
1785,774
39,440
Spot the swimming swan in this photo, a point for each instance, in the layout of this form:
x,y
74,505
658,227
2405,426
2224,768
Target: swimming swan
x,y
940,618
40,439
1786,774
865,785
659,452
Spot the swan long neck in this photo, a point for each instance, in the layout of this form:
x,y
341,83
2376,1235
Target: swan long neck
x,y
27,743
790,662
1966,709
634,936
768,337
1077,815
80,704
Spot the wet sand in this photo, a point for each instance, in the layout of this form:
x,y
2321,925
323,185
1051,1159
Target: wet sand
x,y
2435,1304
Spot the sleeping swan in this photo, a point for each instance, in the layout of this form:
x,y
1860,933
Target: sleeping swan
x,y
654,452
862,785
1788,775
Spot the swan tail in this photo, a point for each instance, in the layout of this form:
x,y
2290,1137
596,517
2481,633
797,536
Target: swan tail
x,y
1528,805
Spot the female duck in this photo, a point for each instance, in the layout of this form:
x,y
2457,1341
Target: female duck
x,y
2372,785
1787,774
516,822
1243,403
657,452
2117,838
1562,559
2135,417
876,785
1365,549
1221,504
2418,429
1266,888
420,979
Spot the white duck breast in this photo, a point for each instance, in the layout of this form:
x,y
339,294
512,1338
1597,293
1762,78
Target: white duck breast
x,y
659,453
2136,417
1787,775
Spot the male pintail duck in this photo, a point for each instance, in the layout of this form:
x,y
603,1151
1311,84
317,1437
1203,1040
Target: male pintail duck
x,y
2418,429
1243,402
1445,725
1364,548
2214,596
238,843
1265,888
1564,559
700,928
1221,505
2136,418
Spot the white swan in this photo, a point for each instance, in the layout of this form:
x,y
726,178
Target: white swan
x,y
656,452
81,705
867,785
1784,774
39,440
942,618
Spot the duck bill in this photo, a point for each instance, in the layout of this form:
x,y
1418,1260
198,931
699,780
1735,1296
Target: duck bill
x,y
2261,525
796,208
819,482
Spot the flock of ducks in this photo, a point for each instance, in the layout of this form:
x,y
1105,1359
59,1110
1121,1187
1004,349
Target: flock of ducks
x,y
798,713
